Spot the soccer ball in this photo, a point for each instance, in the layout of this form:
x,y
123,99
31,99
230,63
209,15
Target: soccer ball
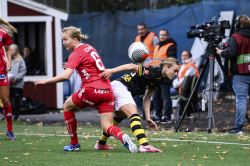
x,y
138,52
11,78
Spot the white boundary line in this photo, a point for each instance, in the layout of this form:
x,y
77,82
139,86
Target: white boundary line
x,y
161,139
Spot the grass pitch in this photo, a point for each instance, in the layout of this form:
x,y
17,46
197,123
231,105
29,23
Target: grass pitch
x,y
43,145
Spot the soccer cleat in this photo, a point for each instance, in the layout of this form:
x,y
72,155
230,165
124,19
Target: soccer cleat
x,y
129,144
10,134
103,147
148,149
72,148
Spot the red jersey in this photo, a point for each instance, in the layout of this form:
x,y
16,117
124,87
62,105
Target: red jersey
x,y
87,62
5,40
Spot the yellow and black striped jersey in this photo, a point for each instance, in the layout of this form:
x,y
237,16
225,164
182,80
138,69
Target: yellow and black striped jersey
x,y
148,78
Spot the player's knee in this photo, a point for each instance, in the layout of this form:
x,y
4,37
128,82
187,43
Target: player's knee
x,y
65,107
5,101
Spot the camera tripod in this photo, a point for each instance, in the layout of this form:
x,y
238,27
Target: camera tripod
x,y
209,59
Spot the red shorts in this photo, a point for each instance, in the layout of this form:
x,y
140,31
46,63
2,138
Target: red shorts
x,y
4,81
101,99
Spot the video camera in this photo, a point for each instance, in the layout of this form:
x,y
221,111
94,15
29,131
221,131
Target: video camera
x,y
210,31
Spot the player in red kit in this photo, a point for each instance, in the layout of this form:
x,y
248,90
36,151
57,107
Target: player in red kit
x,y
6,31
95,91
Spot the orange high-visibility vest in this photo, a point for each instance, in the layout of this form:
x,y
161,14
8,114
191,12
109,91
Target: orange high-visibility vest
x,y
148,42
185,69
161,53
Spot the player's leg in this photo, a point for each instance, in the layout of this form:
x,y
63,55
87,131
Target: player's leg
x,y
4,95
108,127
71,123
118,90
135,123
101,145
105,109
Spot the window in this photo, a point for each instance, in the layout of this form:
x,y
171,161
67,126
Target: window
x,y
31,42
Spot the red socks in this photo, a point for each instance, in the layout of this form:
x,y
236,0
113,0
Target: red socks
x,y
8,116
115,132
71,124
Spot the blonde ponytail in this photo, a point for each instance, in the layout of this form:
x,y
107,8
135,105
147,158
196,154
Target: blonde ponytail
x,y
7,27
84,37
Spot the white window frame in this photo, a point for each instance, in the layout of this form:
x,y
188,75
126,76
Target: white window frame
x,y
48,43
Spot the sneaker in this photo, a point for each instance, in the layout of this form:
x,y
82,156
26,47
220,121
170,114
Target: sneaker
x,y
103,147
72,148
129,144
156,119
191,117
10,134
165,120
235,131
149,148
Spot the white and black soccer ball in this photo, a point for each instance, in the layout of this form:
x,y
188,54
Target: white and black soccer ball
x,y
138,52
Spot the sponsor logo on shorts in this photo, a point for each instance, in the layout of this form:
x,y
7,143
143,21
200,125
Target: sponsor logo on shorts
x,y
89,102
5,80
111,103
3,76
101,91
81,92
85,73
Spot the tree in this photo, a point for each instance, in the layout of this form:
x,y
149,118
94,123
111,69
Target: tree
x,y
87,6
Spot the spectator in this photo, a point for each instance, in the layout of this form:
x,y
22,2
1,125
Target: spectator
x,y
29,60
19,71
237,52
150,39
165,48
188,68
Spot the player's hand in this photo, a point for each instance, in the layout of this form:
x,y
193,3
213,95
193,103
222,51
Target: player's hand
x,y
152,124
14,80
8,66
64,65
106,74
41,81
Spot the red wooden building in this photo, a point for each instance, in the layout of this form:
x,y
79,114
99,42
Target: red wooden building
x,y
39,26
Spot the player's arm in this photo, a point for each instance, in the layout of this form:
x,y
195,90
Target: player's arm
x,y
127,67
146,106
62,77
8,66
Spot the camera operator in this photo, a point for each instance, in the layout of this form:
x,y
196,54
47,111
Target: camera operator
x,y
238,52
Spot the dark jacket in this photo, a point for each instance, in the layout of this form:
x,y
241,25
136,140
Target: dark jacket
x,y
232,50
171,52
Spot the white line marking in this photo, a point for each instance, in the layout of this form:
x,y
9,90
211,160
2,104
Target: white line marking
x,y
161,139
